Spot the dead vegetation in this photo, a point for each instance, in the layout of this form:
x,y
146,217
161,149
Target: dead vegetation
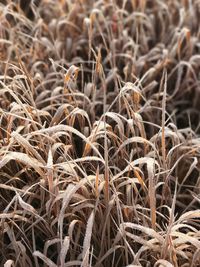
x,y
99,133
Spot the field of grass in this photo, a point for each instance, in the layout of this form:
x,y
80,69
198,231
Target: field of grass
x,y
100,133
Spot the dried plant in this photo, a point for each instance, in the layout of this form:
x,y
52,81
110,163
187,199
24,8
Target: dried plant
x,y
99,133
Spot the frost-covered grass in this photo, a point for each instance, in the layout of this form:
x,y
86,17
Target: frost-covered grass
x,y
99,133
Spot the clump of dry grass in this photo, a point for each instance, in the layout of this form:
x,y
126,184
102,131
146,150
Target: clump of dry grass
x,y
99,133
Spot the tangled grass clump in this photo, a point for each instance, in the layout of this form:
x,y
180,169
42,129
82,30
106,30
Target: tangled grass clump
x,y
100,133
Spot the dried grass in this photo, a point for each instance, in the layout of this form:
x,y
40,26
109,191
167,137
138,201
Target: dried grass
x,y
99,133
